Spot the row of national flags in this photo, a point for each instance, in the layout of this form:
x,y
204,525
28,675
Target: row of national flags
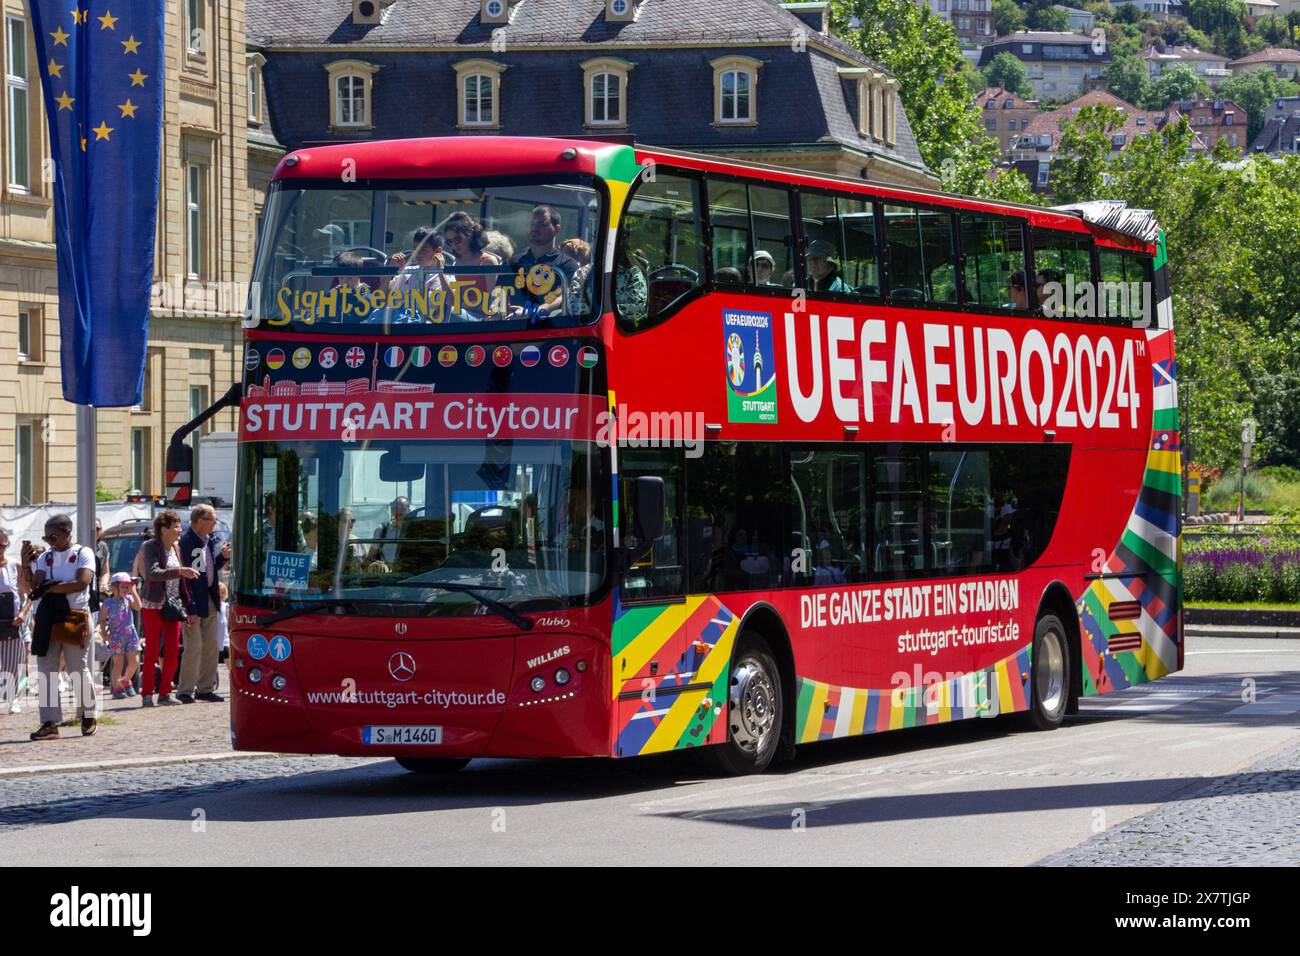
x,y
101,68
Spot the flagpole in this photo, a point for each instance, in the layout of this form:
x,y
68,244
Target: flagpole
x,y
86,475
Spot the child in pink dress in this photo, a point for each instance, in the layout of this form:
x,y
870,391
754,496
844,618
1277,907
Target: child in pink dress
x,y
118,623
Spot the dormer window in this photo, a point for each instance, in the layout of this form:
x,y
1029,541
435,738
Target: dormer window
x,y
495,11
351,85
478,105
878,104
620,11
605,92
735,91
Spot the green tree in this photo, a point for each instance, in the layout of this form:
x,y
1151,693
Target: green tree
x,y
1127,78
1210,16
922,52
1079,170
1007,71
973,78
1045,16
1236,304
1253,91
1007,17
1272,30
1178,83
1128,13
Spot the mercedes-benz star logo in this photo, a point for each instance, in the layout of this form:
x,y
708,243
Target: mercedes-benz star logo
x,y
401,666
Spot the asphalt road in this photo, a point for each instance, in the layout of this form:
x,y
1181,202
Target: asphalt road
x,y
983,792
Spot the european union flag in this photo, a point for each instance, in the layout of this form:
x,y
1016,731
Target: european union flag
x,y
101,64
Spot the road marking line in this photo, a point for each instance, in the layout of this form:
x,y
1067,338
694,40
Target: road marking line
x,y
1273,705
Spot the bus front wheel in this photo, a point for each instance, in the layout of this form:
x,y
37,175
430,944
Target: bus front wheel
x,y
1050,674
754,711
431,764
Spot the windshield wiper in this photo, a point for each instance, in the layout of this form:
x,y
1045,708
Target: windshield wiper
x,y
315,605
475,591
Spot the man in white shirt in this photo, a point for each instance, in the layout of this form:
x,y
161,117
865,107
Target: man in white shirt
x,y
67,569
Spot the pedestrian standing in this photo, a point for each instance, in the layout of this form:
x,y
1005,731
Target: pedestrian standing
x,y
14,585
117,620
200,549
62,578
163,603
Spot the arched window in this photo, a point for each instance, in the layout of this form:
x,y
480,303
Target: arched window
x,y
605,85
255,93
351,89
350,100
478,105
735,82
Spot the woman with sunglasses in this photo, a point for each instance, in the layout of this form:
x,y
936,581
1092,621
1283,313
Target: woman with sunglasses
x,y
469,240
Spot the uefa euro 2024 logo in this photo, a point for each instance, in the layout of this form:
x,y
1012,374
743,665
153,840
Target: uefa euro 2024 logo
x,y
735,359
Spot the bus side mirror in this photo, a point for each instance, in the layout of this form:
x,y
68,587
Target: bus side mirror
x,y
647,516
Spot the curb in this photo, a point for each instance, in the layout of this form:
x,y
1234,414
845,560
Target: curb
x,y
1282,618
1242,630
128,763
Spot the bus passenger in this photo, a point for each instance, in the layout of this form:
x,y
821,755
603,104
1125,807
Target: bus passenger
x,y
390,531
1045,278
823,268
578,250
1019,294
427,257
761,268
468,240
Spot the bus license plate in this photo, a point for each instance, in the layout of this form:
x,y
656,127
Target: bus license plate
x,y
388,736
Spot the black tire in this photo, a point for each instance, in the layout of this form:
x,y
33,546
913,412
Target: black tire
x,y
1049,682
432,764
755,711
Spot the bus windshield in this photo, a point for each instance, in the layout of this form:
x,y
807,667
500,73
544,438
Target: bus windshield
x,y
383,523
348,257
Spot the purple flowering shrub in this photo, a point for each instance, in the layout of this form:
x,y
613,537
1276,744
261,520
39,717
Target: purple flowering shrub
x,y
1257,571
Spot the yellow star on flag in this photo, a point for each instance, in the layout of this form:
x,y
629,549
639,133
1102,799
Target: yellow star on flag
x,y
138,78
128,108
55,69
65,101
83,144
131,45
60,38
101,131
107,20
79,16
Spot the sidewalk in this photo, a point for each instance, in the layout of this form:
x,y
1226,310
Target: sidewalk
x,y
128,735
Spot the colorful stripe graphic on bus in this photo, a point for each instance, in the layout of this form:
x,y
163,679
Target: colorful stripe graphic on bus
x,y
1145,566
1129,617
824,711
670,675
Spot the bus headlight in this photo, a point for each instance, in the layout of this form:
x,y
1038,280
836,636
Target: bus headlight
x,y
561,677
255,675
538,684
278,682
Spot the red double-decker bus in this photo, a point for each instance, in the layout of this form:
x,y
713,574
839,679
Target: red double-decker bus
x,y
566,448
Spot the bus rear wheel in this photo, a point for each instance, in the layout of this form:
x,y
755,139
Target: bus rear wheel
x,y
431,764
755,711
1050,674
